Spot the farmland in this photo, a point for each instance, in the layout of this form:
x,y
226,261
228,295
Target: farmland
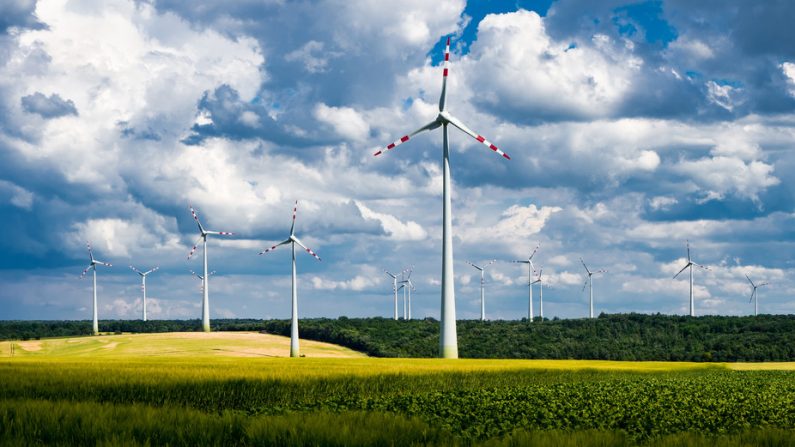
x,y
169,388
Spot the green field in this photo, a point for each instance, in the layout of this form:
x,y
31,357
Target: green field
x,y
233,389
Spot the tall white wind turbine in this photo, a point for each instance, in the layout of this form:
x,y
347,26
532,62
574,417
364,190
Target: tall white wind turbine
x,y
482,286
206,292
394,290
292,240
448,343
540,294
530,270
93,267
143,284
755,294
589,283
691,264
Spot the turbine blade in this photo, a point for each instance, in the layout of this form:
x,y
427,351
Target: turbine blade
x,y
308,250
749,280
295,210
85,270
136,270
195,244
521,262
683,269
90,253
586,267
473,265
490,262
430,126
702,267
211,273
455,122
393,276
277,245
153,270
583,286
196,218
534,252
107,264
222,233
688,249
446,66
763,284
601,271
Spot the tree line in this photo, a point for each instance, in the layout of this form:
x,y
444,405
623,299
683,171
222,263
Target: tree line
x,y
608,337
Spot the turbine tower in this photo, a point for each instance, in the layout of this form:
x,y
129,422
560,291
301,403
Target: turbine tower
x,y
755,294
448,340
690,264
409,286
93,267
206,292
482,285
589,283
143,284
530,270
540,294
292,240
394,290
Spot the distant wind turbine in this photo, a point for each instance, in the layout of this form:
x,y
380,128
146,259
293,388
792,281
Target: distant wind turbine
x,y
143,284
201,278
482,286
589,283
93,267
690,264
540,294
206,292
448,340
755,294
409,287
292,240
394,290
530,270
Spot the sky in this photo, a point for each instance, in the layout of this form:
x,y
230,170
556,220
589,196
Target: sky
x,y
632,127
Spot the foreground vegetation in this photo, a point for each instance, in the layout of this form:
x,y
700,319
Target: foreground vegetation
x,y
206,399
610,337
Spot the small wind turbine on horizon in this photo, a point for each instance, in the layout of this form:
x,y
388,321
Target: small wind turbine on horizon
x,y
755,294
395,290
690,264
530,269
292,240
540,293
206,292
143,285
589,283
93,267
482,286
201,278
410,287
448,340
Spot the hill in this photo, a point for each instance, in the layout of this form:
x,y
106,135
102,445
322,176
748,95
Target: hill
x,y
175,344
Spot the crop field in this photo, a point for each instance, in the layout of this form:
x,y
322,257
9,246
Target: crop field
x,y
230,389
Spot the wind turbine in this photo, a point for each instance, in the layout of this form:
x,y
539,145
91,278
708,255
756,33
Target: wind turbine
x,y
395,290
482,285
292,240
93,267
201,277
690,264
143,284
530,270
755,295
589,283
540,294
448,340
409,286
206,292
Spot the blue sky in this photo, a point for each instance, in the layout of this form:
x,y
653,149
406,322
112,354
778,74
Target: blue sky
x,y
632,126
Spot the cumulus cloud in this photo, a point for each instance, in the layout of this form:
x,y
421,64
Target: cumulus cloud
x,y
394,227
16,195
719,175
48,107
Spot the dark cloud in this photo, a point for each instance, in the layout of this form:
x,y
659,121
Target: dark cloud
x,y
18,14
48,107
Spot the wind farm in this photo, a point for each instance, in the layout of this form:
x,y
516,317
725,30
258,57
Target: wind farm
x,y
631,128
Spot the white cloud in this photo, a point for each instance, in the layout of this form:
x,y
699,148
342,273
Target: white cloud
x,y
345,121
16,195
721,175
394,227
788,68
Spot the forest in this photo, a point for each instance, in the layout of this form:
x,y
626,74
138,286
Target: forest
x,y
608,337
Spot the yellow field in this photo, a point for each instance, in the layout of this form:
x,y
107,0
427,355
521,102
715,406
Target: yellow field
x,y
251,354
